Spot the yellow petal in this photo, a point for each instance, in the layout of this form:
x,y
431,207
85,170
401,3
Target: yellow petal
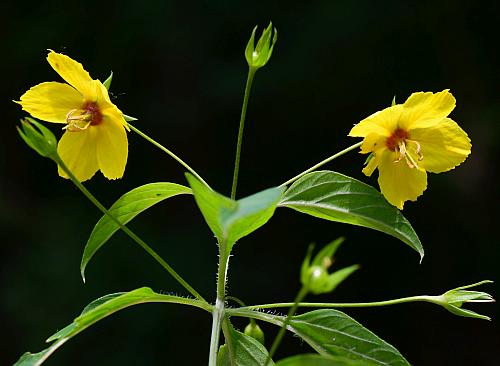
x,y
381,123
51,101
78,152
74,74
443,146
370,167
112,148
373,142
398,182
421,107
107,108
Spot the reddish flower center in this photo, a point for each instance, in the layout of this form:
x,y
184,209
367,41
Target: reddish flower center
x,y
396,138
80,119
92,109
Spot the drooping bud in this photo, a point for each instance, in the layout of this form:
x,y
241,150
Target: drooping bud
x,y
454,299
258,56
38,137
253,330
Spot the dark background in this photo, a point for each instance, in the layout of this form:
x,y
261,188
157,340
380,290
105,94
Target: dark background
x,y
179,67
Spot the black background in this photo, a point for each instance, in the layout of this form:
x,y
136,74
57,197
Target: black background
x,y
179,67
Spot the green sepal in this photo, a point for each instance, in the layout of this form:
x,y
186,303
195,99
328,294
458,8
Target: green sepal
x,y
453,300
393,103
129,118
107,82
331,282
38,137
258,56
314,274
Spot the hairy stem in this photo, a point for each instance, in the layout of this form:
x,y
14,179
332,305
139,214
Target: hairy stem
x,y
127,231
321,163
164,149
218,312
248,86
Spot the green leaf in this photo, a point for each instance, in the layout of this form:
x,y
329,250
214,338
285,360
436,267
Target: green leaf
x,y
249,214
210,204
247,351
99,309
336,197
320,360
125,209
231,220
331,332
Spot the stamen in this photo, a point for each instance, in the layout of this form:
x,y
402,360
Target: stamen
x,y
80,119
420,156
403,153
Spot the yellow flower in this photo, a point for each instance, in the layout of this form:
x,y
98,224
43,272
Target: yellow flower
x,y
95,137
407,140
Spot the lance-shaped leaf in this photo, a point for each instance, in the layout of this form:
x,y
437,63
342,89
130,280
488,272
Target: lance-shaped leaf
x,y
336,197
125,209
97,310
321,360
231,220
331,332
246,351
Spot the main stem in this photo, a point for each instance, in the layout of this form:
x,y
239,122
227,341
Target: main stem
x,y
321,163
218,311
248,86
127,231
163,148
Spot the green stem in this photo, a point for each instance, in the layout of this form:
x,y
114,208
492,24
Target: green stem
x,y
163,148
343,305
302,293
218,313
248,86
127,231
321,163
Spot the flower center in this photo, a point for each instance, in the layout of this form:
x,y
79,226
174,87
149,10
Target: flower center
x,y
400,141
80,119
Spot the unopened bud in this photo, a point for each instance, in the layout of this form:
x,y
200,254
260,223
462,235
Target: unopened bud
x,y
258,56
253,330
38,137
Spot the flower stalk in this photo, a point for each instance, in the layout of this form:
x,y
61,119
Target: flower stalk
x,y
127,231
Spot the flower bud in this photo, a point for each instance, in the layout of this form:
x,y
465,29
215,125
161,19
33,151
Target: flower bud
x,y
314,274
454,299
253,330
258,56
38,137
